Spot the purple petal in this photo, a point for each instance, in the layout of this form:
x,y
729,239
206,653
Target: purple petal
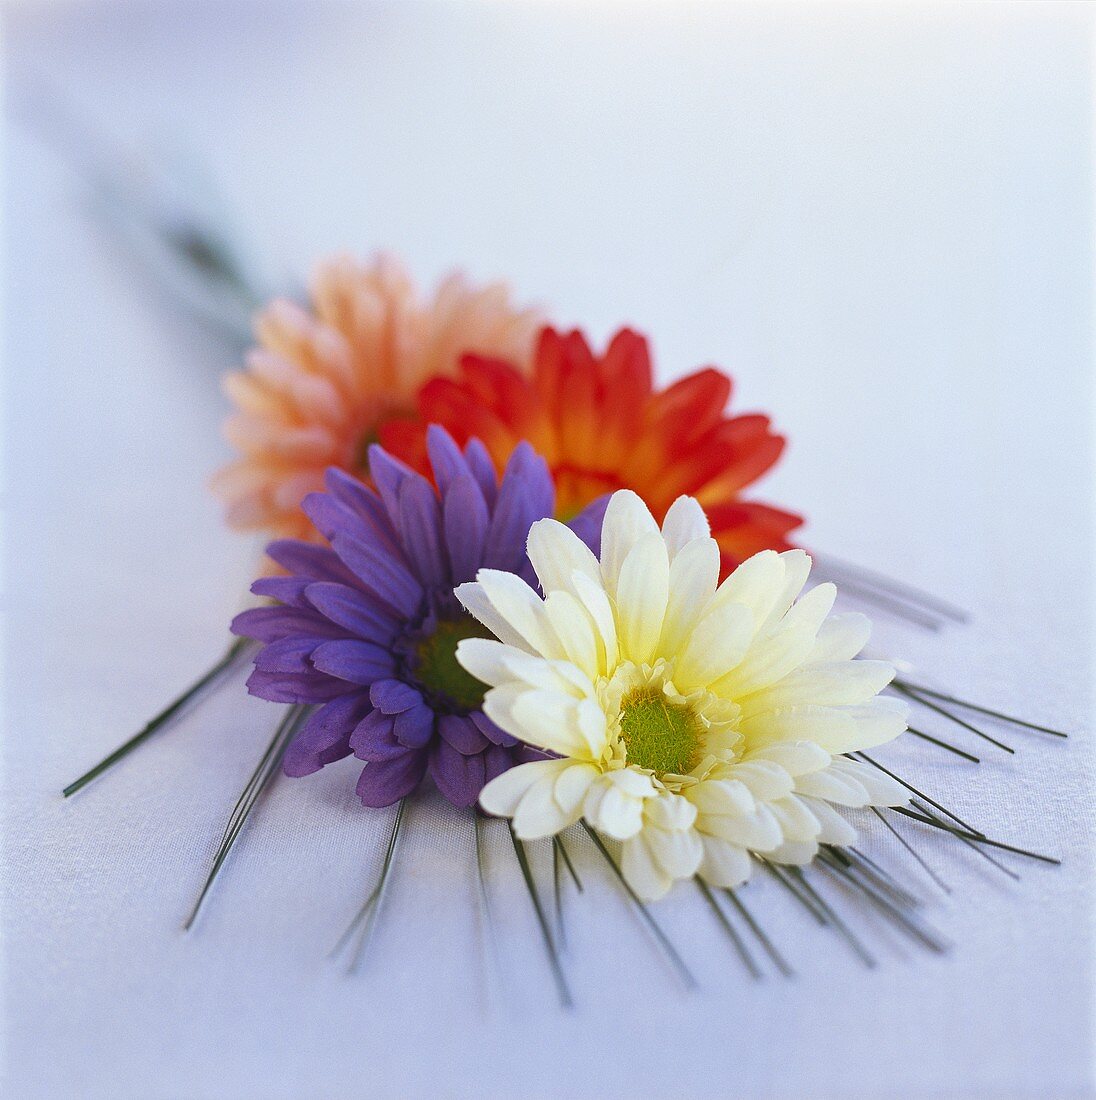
x,y
354,661
309,560
384,782
271,624
393,696
466,523
374,738
495,762
388,475
483,470
353,610
381,574
462,734
284,687
330,516
460,778
365,504
491,731
525,495
415,727
288,655
325,737
287,590
420,528
445,458
587,524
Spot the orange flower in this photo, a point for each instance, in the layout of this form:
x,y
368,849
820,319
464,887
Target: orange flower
x,y
323,380
602,426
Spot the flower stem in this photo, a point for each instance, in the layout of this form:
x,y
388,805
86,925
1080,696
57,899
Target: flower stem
x,y
233,656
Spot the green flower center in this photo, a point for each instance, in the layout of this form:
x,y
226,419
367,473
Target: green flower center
x,y
659,735
438,670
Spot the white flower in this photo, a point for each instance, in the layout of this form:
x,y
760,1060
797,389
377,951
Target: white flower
x,y
693,721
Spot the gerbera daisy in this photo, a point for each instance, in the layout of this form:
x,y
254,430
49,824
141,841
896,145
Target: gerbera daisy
x,y
323,379
695,722
367,626
602,426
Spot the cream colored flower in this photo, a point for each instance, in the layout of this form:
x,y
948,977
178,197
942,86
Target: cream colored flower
x,y
324,380
695,722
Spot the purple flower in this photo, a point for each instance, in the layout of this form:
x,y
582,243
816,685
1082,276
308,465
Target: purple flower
x,y
367,627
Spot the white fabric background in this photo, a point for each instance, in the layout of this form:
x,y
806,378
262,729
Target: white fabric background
x,y
878,218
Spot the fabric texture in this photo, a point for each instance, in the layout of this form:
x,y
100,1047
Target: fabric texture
x,y
879,219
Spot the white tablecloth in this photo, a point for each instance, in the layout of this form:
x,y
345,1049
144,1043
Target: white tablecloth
x,y
878,218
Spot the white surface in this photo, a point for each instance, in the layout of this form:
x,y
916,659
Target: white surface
x,y
879,219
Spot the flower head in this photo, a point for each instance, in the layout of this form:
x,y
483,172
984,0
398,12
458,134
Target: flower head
x,y
694,721
602,426
323,380
367,626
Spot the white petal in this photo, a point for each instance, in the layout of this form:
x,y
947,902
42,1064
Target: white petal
x,y
677,851
795,757
796,852
877,722
522,609
575,631
483,658
797,823
694,574
550,720
834,787
758,831
841,637
718,643
882,790
627,520
757,583
670,812
594,598
797,567
611,810
766,780
721,796
556,552
685,521
571,787
835,829
502,795
538,814
836,729
724,864
828,683
784,649
641,872
539,672
475,602
642,589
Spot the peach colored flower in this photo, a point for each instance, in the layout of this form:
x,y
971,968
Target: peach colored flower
x,y
323,380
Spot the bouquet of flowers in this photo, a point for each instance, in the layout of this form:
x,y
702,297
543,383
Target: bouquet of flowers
x,y
513,567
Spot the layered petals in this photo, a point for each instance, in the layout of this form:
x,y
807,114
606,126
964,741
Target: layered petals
x,y
323,380
695,722
367,626
602,426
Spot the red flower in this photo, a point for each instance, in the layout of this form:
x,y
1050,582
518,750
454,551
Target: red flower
x,y
602,425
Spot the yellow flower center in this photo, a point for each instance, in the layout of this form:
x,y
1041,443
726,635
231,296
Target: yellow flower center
x,y
437,668
659,735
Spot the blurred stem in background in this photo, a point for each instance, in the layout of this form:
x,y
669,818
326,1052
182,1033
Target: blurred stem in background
x,y
164,211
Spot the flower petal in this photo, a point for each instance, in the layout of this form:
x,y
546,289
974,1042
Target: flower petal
x,y
719,642
685,522
384,782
